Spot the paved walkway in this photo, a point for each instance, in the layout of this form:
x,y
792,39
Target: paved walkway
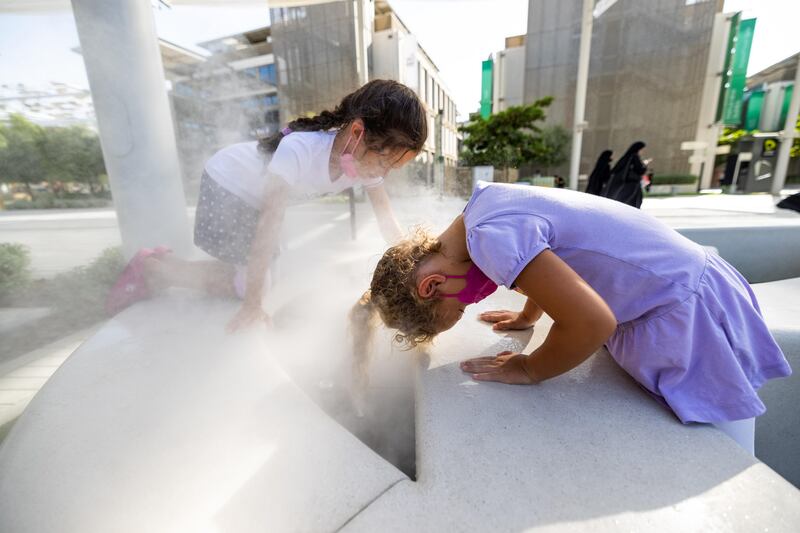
x,y
22,378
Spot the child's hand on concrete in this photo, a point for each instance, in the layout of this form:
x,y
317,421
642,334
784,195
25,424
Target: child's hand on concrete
x,y
504,320
505,367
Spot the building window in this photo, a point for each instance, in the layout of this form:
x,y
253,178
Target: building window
x,y
267,73
427,97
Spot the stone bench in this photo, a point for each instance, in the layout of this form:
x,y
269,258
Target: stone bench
x,y
760,253
587,451
778,430
767,256
162,423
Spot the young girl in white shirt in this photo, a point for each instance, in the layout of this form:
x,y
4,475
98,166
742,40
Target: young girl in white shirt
x,y
245,188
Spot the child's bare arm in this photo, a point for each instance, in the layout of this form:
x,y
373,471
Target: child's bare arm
x,y
264,244
582,322
387,222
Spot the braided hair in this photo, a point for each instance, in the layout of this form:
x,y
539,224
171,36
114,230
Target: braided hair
x,y
393,116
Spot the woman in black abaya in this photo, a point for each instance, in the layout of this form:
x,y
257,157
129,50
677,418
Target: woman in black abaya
x,y
626,176
600,174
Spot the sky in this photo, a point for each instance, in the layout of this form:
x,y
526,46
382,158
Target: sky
x,y
457,34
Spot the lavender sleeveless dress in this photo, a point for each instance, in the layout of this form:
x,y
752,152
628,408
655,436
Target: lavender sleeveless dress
x,y
689,330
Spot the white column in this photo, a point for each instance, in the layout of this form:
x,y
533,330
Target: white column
x,y
120,50
708,129
580,92
787,136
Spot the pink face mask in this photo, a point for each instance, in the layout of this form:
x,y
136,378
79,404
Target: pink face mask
x,y
478,286
347,161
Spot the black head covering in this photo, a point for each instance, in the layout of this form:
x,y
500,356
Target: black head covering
x,y
600,174
633,150
605,157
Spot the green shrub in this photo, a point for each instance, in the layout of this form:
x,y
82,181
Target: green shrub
x,y
674,179
84,289
50,202
15,273
43,201
793,179
80,203
19,204
107,267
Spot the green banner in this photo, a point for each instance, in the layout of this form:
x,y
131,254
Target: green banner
x,y
754,105
787,100
737,72
730,49
486,88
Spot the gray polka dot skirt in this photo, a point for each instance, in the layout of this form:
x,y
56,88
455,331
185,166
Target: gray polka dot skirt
x,y
224,225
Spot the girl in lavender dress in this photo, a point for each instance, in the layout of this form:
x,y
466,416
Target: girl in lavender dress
x,y
678,318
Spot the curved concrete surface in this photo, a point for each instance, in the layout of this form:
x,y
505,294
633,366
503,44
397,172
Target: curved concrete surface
x,y
588,451
760,253
162,423
778,430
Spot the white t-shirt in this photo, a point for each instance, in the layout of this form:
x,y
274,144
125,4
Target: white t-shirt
x,y
302,160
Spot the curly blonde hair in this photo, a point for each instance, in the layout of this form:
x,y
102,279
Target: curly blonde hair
x,y
394,291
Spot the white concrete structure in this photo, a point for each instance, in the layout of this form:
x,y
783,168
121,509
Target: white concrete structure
x,y
588,451
769,257
134,121
161,422
508,75
763,253
397,55
778,430
582,79
708,128
204,435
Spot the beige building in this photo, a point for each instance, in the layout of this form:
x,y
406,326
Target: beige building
x,y
646,73
397,55
508,74
325,50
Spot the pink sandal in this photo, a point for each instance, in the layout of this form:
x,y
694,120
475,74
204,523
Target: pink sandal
x,y
131,286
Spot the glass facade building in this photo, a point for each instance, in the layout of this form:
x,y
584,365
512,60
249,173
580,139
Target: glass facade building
x,y
646,73
319,53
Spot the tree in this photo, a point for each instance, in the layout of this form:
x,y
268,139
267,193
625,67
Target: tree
x,y
73,154
31,154
509,138
555,147
21,152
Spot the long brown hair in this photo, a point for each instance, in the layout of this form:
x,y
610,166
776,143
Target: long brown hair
x,y
393,116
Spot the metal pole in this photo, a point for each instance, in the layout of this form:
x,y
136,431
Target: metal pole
x,y
126,77
439,159
580,92
787,136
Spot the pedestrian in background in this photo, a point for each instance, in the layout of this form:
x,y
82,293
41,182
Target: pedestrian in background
x,y
626,176
599,176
